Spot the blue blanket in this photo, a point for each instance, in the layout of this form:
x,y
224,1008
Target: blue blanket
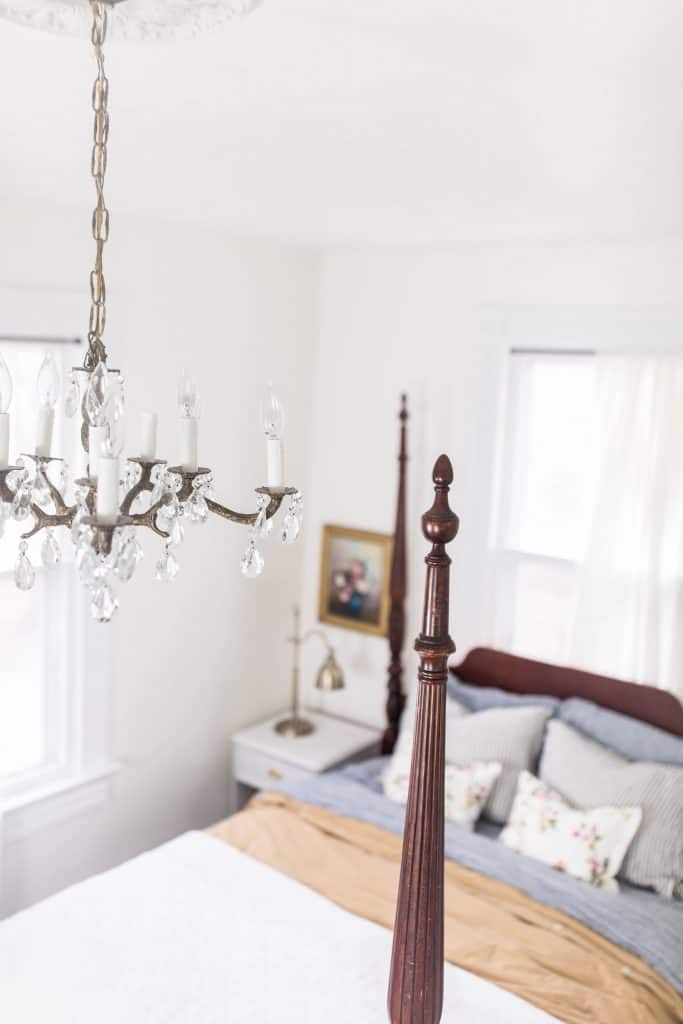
x,y
637,920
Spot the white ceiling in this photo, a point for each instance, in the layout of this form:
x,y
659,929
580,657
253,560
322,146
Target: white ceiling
x,y
431,120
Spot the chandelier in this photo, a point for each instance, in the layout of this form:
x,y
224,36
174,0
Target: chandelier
x,y
105,509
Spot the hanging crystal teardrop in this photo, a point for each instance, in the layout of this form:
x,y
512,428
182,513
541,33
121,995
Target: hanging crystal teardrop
x,y
167,567
103,604
176,532
21,506
86,561
198,510
252,561
40,492
128,559
24,574
96,395
50,551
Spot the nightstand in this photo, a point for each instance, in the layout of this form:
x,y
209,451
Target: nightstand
x,y
262,759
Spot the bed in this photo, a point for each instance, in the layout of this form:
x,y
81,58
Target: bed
x,y
284,911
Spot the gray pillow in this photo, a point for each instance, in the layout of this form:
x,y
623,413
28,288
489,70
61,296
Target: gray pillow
x,y
513,736
481,698
590,775
636,740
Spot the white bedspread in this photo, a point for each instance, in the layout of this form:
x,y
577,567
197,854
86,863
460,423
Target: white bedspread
x,y
196,933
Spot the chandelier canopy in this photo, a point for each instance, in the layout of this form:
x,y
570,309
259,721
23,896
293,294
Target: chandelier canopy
x,y
114,497
135,19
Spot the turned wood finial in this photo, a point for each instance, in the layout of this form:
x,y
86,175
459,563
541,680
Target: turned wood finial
x,y
416,979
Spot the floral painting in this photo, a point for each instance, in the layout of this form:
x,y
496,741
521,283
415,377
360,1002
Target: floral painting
x,y
354,579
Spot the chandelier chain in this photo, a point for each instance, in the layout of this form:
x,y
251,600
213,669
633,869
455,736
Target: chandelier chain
x,y
98,167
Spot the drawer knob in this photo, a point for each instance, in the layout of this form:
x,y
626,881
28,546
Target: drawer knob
x,y
273,773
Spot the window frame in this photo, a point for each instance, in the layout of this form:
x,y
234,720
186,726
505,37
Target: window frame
x,y
78,762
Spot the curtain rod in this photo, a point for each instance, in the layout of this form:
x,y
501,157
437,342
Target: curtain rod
x,y
39,339
553,352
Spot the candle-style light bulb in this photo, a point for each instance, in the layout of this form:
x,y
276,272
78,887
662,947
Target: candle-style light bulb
x,y
188,396
6,387
48,393
48,382
189,407
273,422
5,400
272,415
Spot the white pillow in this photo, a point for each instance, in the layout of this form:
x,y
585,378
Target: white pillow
x,y
589,845
467,789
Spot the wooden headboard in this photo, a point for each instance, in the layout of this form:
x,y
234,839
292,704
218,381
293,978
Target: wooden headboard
x,y
486,667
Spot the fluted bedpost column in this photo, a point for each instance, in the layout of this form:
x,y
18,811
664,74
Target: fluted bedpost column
x,y
416,980
397,591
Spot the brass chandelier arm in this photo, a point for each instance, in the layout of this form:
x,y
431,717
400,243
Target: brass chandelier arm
x,y
245,518
47,520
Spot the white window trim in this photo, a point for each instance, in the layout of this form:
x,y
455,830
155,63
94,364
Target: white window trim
x,y
82,778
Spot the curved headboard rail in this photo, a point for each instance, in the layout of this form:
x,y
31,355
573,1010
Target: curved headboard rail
x,y
484,666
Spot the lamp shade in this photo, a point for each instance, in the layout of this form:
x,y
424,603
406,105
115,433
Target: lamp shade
x,y
330,675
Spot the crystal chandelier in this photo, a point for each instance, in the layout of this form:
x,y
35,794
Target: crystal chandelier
x,y
119,496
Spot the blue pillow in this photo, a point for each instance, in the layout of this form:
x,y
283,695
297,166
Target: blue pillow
x,y
631,738
481,698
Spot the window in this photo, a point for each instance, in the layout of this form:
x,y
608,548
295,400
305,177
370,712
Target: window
x,y
54,720
34,638
546,485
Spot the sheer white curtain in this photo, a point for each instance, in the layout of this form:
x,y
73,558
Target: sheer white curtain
x,y
629,612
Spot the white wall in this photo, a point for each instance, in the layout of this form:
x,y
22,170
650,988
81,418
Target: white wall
x,y
190,664
437,323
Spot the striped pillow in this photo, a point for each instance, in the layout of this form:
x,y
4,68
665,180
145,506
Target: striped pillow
x,y
589,775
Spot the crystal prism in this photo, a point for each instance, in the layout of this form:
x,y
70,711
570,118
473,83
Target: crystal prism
x,y
96,395
167,567
291,527
86,562
72,400
40,492
21,506
252,562
50,552
129,556
198,510
103,604
24,574
175,531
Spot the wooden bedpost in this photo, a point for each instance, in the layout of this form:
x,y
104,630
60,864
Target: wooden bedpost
x,y
416,979
397,590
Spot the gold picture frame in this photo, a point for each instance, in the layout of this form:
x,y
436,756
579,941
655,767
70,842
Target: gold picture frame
x,y
355,567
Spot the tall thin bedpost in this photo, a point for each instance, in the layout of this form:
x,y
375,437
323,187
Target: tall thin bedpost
x,y
397,593
416,979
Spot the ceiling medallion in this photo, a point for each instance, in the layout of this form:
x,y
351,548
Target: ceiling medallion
x,y
135,19
116,497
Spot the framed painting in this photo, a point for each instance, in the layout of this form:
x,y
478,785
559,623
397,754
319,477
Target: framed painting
x,y
354,579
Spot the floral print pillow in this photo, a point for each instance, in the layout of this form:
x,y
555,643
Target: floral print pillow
x,y
589,845
467,789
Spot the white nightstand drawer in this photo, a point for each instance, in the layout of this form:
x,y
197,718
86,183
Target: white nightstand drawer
x,y
262,771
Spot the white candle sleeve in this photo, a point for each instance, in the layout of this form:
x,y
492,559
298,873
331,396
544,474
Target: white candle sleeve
x,y
96,437
46,419
4,440
189,432
148,435
108,487
275,461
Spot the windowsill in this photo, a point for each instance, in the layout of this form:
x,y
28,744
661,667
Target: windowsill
x,y
55,802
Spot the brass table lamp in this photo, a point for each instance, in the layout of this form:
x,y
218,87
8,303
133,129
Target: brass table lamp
x,y
330,677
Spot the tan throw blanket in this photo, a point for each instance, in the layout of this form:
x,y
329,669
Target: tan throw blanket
x,y
492,929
